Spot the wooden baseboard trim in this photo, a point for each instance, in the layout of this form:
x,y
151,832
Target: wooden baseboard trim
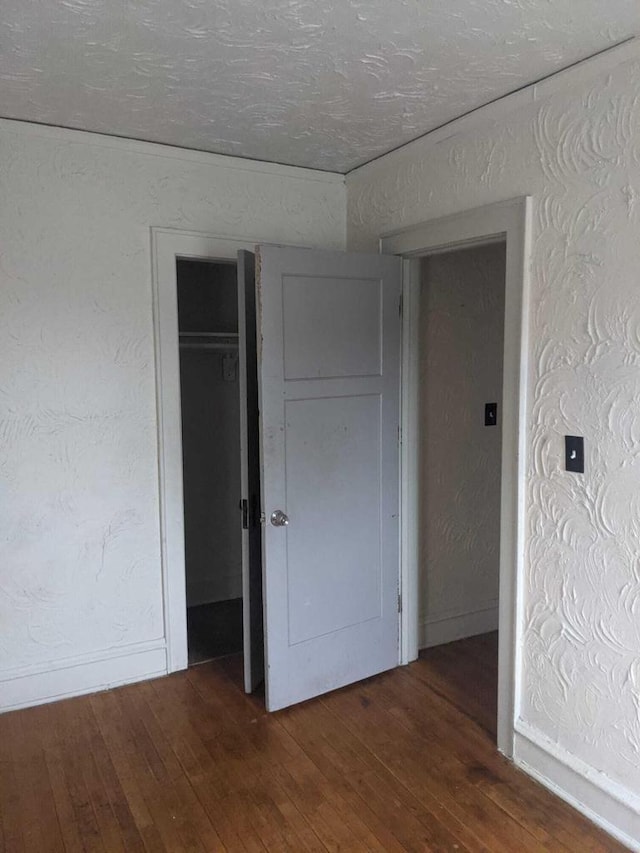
x,y
75,678
611,806
436,630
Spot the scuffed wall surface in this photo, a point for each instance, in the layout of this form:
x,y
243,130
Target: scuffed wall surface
x,y
79,539
461,341
578,154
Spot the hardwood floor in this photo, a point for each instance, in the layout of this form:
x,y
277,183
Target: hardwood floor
x,y
403,761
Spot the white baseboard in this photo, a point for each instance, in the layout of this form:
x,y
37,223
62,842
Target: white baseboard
x,y
608,804
26,686
436,630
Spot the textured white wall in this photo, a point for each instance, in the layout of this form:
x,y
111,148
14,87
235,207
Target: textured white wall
x,y
461,342
79,539
577,152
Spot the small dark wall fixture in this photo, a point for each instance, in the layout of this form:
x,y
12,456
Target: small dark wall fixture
x,y
574,453
490,414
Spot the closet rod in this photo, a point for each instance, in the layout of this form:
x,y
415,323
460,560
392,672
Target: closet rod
x,y
208,335
212,345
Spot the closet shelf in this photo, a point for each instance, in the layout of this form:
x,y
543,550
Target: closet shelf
x,y
209,340
208,334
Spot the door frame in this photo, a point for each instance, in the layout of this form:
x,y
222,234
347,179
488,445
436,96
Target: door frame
x,y
508,221
167,245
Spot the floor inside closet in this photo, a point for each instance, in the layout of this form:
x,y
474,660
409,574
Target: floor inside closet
x,y
214,630
402,761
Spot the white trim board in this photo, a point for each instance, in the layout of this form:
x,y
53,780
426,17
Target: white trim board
x,y
608,804
449,627
510,221
85,674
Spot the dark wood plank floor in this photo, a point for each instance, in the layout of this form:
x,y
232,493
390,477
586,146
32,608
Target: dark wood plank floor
x,y
403,761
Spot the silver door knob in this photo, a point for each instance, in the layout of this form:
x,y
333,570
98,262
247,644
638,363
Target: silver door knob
x,y
279,518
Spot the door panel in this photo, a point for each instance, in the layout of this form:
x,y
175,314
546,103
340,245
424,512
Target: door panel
x,y
329,372
320,343
340,585
252,625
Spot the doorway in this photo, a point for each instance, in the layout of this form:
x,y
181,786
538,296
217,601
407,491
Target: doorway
x,y
327,337
461,343
508,222
210,407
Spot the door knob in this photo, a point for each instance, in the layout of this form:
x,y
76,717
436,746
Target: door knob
x,y
279,518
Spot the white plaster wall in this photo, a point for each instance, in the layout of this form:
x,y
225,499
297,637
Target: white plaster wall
x,y
461,342
80,574
575,147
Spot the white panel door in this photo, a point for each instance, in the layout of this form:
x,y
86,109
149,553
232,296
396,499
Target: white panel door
x,y
329,380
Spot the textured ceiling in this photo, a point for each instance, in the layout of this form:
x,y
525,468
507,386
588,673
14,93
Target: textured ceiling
x,y
329,84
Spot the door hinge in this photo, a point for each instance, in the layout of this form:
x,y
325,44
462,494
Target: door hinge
x,y
400,305
244,508
263,518
399,434
399,603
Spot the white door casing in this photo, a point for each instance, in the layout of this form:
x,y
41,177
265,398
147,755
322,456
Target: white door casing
x,y
329,371
509,221
166,246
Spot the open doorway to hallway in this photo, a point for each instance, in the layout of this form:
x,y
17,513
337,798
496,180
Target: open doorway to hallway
x,y
461,340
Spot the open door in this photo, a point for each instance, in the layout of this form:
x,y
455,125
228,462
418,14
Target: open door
x,y
329,399
252,626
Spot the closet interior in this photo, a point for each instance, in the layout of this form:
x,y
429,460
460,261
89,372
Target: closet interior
x,y
209,386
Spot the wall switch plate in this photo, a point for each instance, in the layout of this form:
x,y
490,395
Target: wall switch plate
x,y
574,453
490,414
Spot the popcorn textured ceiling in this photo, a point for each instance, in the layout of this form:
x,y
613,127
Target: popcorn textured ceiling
x,y
328,84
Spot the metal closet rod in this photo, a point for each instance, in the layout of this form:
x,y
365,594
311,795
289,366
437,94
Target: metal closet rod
x,y
208,334
212,345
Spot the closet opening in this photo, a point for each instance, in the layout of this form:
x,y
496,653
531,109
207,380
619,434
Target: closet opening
x,y
210,404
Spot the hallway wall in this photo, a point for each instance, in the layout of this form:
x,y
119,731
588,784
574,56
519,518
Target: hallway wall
x,y
461,342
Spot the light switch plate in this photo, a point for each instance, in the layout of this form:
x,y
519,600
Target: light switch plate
x,y
574,453
490,414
